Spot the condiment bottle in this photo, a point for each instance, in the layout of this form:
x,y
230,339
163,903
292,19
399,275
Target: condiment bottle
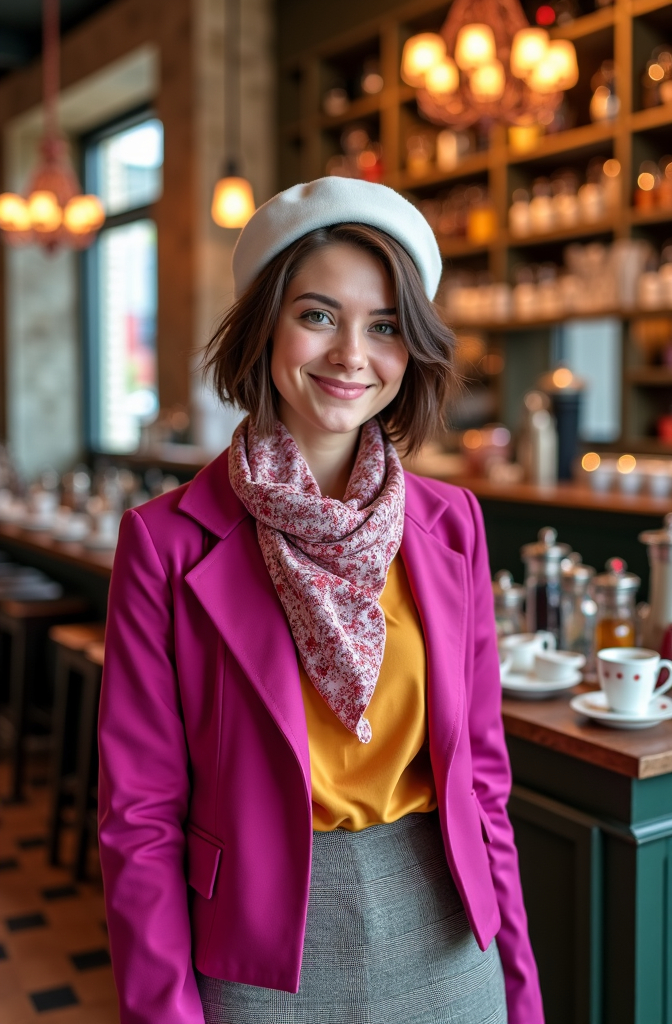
x,y
509,600
578,611
615,591
659,547
542,581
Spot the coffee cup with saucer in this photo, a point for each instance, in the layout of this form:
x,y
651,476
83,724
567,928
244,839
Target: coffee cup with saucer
x,y
629,697
522,648
557,666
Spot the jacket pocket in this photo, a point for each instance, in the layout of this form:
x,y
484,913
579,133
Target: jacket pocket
x,y
203,857
486,824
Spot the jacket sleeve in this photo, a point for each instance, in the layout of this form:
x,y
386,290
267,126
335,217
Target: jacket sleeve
x,y
144,793
492,782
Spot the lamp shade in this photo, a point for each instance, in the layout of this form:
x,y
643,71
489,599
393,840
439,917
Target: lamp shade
x,y
557,70
475,46
443,79
83,213
529,46
232,202
487,82
421,53
14,215
44,211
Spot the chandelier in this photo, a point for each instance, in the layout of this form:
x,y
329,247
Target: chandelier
x,y
54,213
488,64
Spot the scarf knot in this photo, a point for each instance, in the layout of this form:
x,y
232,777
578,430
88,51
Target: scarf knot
x,y
328,559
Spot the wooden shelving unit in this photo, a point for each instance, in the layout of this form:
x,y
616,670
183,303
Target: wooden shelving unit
x,y
625,32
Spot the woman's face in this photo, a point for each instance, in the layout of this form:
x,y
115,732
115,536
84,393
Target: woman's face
x,y
337,357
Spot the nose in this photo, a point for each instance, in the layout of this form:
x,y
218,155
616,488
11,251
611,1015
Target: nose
x,y
348,349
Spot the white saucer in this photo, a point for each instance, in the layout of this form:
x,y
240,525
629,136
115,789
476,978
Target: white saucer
x,y
526,686
594,705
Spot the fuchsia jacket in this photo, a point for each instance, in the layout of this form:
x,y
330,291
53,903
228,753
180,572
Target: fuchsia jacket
x,y
205,797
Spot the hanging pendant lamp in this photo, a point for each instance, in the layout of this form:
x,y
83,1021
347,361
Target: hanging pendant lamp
x,y
232,200
488,65
54,213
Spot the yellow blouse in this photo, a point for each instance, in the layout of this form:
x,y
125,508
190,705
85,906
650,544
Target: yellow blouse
x,y
360,784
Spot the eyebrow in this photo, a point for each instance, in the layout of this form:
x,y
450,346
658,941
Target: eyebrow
x,y
335,304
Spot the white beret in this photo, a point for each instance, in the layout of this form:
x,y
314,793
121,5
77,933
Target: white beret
x,y
322,203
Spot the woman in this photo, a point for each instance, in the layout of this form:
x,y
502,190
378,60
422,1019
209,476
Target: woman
x,y
303,770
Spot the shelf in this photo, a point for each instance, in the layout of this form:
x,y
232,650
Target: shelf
x,y
601,227
585,137
658,216
454,247
473,163
653,117
364,106
639,7
587,25
650,376
509,326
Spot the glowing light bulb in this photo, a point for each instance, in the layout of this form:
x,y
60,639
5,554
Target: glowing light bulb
x,y
529,46
487,82
611,167
421,53
443,79
475,46
646,181
232,202
562,377
44,211
626,463
558,69
84,214
590,462
472,439
14,215
656,73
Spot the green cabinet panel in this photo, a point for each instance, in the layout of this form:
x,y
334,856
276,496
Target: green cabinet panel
x,y
561,863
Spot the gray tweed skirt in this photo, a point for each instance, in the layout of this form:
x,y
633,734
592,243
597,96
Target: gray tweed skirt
x,y
387,941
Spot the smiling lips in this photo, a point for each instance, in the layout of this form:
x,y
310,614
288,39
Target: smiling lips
x,y
343,389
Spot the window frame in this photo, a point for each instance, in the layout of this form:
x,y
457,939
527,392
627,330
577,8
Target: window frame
x,y
90,291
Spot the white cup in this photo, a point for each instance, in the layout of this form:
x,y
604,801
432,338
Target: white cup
x,y
628,676
522,647
557,666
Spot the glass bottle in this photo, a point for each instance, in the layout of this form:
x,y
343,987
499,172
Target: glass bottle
x,y
578,612
542,581
615,591
509,600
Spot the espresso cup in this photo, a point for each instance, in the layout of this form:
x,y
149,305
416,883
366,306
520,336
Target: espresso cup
x,y
557,666
628,677
522,648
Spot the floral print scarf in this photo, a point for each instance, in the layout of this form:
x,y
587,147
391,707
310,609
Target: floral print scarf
x,y
328,559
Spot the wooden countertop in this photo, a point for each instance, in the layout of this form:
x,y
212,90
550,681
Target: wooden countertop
x,y
568,494
97,562
640,754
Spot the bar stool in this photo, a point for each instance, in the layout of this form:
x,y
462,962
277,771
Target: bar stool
x,y
25,625
74,675
86,799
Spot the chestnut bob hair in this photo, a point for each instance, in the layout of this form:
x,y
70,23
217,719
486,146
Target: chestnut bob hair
x,y
238,355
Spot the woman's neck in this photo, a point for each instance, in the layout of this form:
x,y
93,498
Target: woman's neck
x,y
330,457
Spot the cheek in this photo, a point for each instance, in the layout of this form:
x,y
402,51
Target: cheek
x,y
288,350
391,365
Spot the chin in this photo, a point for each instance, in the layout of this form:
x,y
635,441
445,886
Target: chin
x,y
338,422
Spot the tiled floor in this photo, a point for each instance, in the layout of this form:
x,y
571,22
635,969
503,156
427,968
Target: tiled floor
x,y
54,960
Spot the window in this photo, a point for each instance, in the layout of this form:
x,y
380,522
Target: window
x,y
123,165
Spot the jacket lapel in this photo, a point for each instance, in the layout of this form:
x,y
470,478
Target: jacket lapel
x,y
233,585
437,576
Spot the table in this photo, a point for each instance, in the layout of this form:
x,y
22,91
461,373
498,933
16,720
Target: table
x,y
592,812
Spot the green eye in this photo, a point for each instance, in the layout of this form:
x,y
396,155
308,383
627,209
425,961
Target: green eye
x,y
316,316
384,329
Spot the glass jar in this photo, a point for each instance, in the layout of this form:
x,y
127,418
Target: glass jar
x,y
615,591
509,600
542,581
578,612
